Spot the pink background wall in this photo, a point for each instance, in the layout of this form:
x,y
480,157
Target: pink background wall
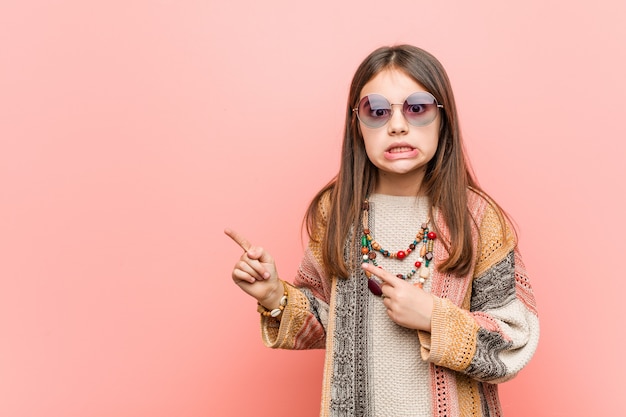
x,y
132,132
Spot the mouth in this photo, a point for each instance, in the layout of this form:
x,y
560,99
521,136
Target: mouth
x,y
400,151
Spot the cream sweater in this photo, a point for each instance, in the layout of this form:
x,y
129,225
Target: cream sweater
x,y
399,378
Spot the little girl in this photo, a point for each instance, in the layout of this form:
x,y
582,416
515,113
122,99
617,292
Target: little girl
x,y
412,280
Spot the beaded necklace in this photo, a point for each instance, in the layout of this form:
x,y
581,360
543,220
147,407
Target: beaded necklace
x,y
370,247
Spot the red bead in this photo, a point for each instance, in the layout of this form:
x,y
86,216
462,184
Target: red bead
x,y
432,235
418,264
401,254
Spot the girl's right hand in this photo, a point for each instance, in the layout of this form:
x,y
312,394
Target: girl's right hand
x,y
255,273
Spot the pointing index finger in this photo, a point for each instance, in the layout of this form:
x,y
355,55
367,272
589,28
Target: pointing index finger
x,y
383,275
239,239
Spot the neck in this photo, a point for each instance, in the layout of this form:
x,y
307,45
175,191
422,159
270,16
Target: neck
x,y
399,185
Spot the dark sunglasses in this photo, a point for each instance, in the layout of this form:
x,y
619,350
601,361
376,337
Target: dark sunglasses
x,y
419,109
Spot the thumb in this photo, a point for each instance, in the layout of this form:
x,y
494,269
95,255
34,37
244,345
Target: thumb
x,y
260,254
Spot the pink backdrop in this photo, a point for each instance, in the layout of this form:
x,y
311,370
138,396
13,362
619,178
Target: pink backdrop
x,y
132,132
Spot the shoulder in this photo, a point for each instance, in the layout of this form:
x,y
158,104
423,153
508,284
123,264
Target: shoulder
x,y
484,208
324,203
321,207
318,213
478,201
496,235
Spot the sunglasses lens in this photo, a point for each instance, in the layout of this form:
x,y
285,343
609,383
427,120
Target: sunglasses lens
x,y
374,110
420,109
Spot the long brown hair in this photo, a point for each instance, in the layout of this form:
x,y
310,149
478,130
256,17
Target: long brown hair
x,y
446,182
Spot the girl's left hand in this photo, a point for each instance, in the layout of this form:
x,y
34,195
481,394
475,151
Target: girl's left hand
x,y
407,304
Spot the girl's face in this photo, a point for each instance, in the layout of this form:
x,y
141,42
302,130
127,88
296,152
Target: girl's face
x,y
398,149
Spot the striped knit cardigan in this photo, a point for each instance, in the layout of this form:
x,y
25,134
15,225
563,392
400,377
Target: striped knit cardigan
x,y
484,325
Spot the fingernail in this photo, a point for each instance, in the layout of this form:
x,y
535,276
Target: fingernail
x,y
266,275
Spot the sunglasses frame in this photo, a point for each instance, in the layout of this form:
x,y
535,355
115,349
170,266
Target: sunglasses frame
x,y
356,109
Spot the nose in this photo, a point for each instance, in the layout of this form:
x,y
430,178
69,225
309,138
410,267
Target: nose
x,y
397,124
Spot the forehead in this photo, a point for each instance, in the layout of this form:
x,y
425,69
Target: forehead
x,y
394,84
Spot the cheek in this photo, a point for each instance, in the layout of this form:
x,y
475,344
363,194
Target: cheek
x,y
432,139
368,150
362,144
432,151
434,143
372,152
371,143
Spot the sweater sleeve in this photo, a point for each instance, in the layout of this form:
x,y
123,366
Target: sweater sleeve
x,y
303,322
498,335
